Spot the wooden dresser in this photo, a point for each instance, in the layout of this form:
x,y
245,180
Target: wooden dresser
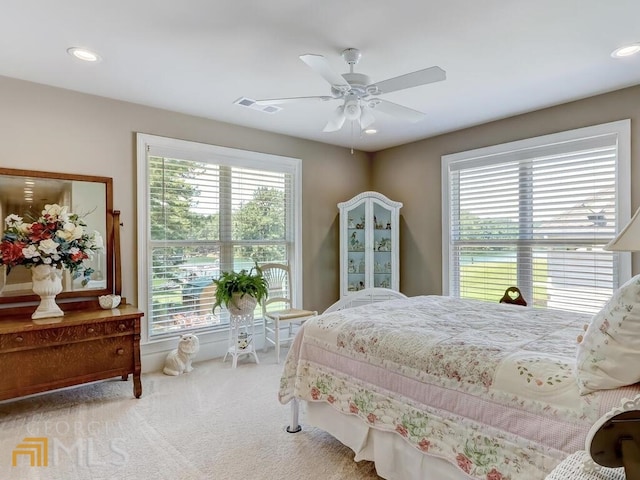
x,y
87,345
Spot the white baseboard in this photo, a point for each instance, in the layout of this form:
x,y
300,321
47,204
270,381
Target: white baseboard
x,y
212,345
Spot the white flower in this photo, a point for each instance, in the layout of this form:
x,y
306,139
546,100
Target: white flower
x,y
30,252
70,232
13,220
56,212
49,247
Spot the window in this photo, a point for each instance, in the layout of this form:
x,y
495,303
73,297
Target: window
x,y
536,214
205,209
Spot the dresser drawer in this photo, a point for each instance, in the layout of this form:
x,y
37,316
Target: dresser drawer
x,y
51,336
73,363
121,326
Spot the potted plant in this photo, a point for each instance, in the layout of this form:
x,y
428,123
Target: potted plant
x,y
240,291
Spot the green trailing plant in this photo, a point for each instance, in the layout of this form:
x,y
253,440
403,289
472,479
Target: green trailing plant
x,y
244,282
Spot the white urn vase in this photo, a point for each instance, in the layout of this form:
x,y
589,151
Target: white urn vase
x,y
47,283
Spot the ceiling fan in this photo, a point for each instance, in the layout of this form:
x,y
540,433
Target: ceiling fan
x,y
358,95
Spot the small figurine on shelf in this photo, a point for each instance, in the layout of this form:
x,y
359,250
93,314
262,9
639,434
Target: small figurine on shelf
x,y
384,245
351,223
352,266
387,267
361,286
388,225
360,225
385,283
353,241
377,268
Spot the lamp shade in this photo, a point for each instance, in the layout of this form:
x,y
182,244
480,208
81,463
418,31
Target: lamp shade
x,y
628,240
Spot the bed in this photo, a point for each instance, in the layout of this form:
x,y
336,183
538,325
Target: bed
x,y
434,387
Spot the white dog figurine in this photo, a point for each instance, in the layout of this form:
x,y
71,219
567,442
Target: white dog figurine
x,y
179,360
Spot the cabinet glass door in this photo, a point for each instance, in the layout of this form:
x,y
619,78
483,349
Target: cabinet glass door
x,y
357,248
382,247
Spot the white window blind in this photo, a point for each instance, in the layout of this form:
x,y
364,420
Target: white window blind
x,y
207,213
536,216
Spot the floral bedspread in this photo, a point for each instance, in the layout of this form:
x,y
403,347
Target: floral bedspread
x,y
488,387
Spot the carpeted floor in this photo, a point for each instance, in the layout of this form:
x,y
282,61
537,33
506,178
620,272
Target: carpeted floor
x,y
215,423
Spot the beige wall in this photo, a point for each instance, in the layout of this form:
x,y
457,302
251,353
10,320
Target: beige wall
x,y
411,174
45,128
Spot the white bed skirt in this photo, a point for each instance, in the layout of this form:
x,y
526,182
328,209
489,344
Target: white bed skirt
x,y
395,459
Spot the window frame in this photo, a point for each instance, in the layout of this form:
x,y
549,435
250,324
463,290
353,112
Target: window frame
x,y
622,181
219,155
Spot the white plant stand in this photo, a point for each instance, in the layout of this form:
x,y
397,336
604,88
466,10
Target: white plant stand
x,y
241,330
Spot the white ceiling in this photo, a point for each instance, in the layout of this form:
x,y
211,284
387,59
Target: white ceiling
x,y
502,57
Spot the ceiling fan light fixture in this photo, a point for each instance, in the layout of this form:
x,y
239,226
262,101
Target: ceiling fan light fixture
x,y
355,91
352,111
626,50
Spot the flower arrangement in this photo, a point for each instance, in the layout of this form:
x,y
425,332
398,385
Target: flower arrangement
x,y
58,238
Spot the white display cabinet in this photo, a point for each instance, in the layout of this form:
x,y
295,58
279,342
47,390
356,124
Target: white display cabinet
x,y
369,243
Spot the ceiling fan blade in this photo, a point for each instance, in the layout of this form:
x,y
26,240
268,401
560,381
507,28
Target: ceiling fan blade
x,y
279,101
320,65
399,111
409,80
336,121
366,118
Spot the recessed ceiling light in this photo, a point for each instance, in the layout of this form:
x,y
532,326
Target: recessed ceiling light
x,y
83,54
626,51
370,131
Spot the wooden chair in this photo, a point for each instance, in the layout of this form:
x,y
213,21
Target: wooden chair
x,y
278,312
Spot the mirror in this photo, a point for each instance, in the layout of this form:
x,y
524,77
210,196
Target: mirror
x,y
25,193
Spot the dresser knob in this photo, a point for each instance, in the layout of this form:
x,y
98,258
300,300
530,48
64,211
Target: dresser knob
x,y
120,351
19,339
122,327
91,330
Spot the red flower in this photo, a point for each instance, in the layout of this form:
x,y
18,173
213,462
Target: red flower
x,y
331,399
315,393
402,430
11,252
78,256
353,408
372,418
40,231
424,445
464,463
494,475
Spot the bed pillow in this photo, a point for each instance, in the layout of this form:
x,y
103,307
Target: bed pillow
x,y
609,354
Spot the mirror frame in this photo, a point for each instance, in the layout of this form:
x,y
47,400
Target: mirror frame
x,y
108,240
